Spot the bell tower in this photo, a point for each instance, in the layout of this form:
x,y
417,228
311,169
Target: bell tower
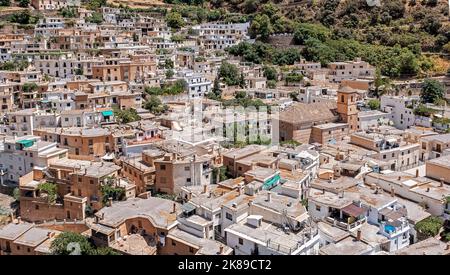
x,y
346,106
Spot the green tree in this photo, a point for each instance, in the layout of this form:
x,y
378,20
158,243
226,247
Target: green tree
x,y
169,74
24,3
304,31
250,6
270,73
374,104
5,2
174,20
431,24
155,106
96,18
222,171
29,87
168,64
229,73
111,191
216,91
431,91
271,84
51,189
68,243
126,116
261,26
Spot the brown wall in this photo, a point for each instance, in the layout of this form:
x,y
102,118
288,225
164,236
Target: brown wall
x,y
437,172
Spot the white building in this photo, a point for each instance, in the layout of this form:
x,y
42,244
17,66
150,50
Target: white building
x,y
19,156
402,116
372,119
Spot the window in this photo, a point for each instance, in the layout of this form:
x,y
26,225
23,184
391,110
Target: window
x,y
384,156
191,250
36,207
187,168
163,167
318,208
229,216
174,243
241,241
91,181
188,180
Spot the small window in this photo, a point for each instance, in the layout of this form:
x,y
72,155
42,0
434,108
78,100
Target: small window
x,y
174,243
229,216
163,167
241,241
191,250
318,208
187,168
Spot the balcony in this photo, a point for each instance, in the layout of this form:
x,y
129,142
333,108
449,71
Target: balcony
x,y
390,230
345,225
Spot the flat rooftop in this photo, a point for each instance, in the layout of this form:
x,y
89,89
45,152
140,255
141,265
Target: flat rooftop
x,y
33,237
204,246
443,161
281,203
348,246
158,211
12,231
328,126
430,246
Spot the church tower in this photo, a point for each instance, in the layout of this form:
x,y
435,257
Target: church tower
x,y
346,106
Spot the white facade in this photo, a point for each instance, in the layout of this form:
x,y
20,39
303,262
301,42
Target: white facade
x,y
401,116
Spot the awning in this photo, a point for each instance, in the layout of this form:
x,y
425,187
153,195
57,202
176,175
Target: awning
x,y
26,142
188,207
353,210
107,113
273,181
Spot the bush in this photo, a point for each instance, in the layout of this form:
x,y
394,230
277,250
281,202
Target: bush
x,y
429,227
422,110
374,104
306,30
50,189
431,91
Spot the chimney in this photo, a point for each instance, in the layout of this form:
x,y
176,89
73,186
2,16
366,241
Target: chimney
x,y
442,182
417,173
428,189
221,249
392,192
323,191
190,196
240,191
204,188
110,201
269,196
330,179
103,215
358,235
174,210
399,177
19,219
